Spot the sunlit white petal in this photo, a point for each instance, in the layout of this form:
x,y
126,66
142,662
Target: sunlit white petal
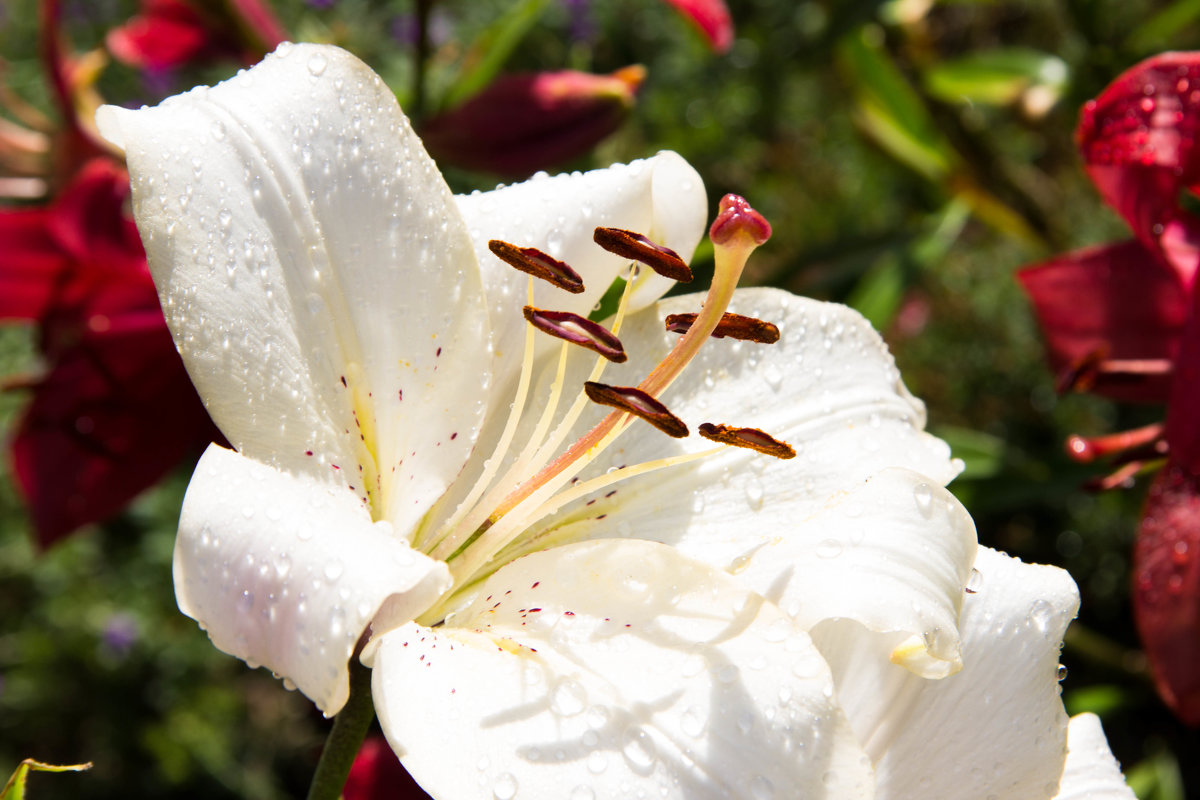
x,y
1091,772
315,273
998,726
285,571
595,668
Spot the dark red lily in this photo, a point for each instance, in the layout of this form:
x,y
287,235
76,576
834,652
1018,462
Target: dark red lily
x,y
378,775
525,122
169,33
1123,320
114,409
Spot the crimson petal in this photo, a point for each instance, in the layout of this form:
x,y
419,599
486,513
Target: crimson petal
x,y
1166,588
712,17
378,775
1115,299
1138,140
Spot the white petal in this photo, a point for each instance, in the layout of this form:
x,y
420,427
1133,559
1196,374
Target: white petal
x,y
1091,772
314,270
661,197
838,531
615,669
286,573
995,728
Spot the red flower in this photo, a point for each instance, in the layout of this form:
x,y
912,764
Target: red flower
x,y
526,122
712,17
1124,320
168,33
114,410
378,775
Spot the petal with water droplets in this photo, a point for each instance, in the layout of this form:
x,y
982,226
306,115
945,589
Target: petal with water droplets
x,y
286,572
315,273
1091,772
613,664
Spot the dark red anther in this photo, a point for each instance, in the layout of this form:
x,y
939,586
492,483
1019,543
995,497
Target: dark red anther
x,y
751,438
638,403
577,330
735,326
534,262
634,246
737,217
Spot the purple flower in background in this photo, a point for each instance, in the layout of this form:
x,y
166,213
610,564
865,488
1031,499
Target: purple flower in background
x,y
120,634
583,27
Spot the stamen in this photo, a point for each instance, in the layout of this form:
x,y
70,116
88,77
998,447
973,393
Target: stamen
x,y
638,403
735,326
1134,443
634,246
1097,367
751,438
534,262
577,330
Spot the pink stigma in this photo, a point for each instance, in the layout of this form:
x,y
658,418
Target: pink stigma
x,y
737,217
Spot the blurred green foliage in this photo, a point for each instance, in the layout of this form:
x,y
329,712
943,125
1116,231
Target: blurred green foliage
x,y
911,155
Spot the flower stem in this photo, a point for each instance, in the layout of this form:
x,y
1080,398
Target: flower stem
x,y
349,729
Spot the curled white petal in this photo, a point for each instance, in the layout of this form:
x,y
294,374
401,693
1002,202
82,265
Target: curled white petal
x,y
286,573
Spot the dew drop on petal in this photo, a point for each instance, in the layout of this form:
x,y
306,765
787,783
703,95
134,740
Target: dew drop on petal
x,y
597,762
923,496
505,787
638,749
829,548
317,64
761,788
1062,673
568,699
754,494
1040,615
975,581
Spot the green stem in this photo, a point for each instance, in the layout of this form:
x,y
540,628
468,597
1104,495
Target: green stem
x,y
349,729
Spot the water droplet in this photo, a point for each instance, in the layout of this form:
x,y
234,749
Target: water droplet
x,y
773,377
505,787
829,548
639,749
761,788
1040,614
317,64
692,722
1062,673
727,673
217,129
745,722
975,581
754,494
568,698
923,495
333,570
597,762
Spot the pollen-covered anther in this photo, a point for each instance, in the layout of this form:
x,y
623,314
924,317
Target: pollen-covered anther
x,y
735,326
634,246
638,403
534,262
577,330
751,438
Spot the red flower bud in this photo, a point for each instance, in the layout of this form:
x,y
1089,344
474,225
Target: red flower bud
x,y
526,122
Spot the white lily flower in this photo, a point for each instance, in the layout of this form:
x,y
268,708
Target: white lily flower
x,y
621,616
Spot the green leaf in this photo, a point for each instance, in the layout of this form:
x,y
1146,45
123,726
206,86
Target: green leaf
x,y
1100,699
996,77
878,294
889,110
491,49
15,788
1156,778
982,453
1154,33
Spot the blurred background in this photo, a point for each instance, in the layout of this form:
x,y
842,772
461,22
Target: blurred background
x,y
911,155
